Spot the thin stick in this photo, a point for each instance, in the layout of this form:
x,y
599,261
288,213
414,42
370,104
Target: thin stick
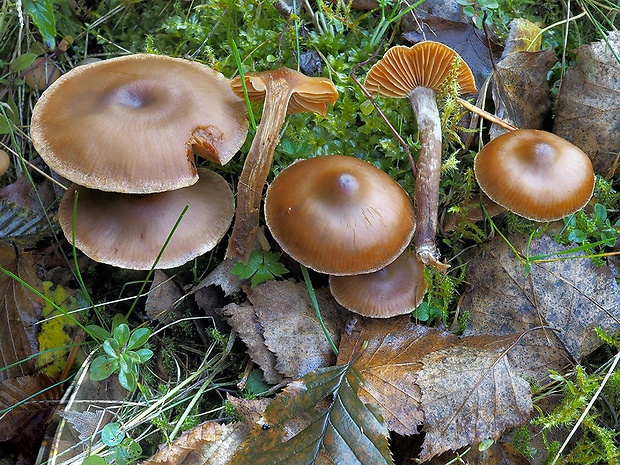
x,y
486,115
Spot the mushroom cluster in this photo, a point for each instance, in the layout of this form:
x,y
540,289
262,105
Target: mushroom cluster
x,y
125,131
344,217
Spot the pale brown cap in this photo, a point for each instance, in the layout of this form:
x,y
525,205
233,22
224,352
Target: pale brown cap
x,y
339,215
308,93
426,64
394,290
129,230
131,124
535,174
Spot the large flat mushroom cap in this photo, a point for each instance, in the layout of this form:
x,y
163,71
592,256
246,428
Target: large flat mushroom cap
x,y
339,215
131,124
129,230
535,174
308,93
394,290
426,64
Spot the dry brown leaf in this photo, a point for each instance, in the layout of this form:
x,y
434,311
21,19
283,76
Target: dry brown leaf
x,y
470,393
463,390
588,103
574,296
20,310
283,320
389,364
210,443
500,453
162,297
250,409
24,420
521,91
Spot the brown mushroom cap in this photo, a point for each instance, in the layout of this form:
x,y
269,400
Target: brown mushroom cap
x,y
131,124
535,174
426,64
129,230
394,290
339,215
308,93
5,162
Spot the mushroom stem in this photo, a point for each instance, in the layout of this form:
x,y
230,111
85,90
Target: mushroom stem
x,y
256,169
426,194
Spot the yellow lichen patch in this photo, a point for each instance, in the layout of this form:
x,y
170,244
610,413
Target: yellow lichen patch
x,y
56,331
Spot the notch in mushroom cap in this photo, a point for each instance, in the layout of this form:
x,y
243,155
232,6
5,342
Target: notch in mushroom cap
x,y
417,73
131,124
394,290
535,174
129,230
339,215
284,91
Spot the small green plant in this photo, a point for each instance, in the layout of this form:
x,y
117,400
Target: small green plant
x,y
124,450
480,11
262,266
123,354
590,229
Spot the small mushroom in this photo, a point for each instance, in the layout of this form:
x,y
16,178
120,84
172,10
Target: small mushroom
x,y
417,73
339,215
42,73
129,230
132,124
284,91
396,289
5,162
535,174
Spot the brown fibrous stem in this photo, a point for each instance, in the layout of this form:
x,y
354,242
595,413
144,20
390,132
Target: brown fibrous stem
x,y
426,195
256,169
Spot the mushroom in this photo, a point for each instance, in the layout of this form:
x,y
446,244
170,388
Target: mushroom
x,y
132,124
42,73
535,174
129,230
339,215
5,162
396,289
284,91
417,73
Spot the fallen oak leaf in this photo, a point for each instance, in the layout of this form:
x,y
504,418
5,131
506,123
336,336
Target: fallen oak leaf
x,y
318,419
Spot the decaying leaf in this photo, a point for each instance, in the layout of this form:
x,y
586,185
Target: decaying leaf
x,y
470,392
162,297
26,403
250,409
572,295
20,311
588,103
282,321
521,91
210,443
390,364
462,390
336,426
500,453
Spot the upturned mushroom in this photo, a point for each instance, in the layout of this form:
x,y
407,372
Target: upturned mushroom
x,y
396,289
132,124
284,91
5,162
535,174
418,72
129,230
339,215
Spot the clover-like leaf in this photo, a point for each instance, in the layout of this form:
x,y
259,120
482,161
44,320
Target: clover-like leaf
x,y
138,338
103,367
112,435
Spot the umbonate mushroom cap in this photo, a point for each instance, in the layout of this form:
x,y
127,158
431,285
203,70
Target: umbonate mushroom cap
x,y
308,93
129,230
535,174
426,64
132,124
396,289
339,215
